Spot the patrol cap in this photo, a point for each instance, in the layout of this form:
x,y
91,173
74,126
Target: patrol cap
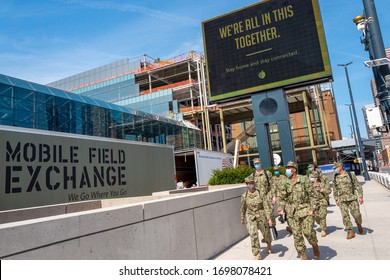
x,y
256,160
311,166
292,164
338,164
249,179
276,168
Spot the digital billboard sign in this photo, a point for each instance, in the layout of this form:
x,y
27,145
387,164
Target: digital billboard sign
x,y
270,44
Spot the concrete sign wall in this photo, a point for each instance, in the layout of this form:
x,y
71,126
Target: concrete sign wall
x,y
42,168
193,226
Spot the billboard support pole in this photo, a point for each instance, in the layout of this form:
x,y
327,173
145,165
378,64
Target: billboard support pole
x,y
271,107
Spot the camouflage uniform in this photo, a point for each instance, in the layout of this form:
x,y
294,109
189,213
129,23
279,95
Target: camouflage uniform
x,y
298,197
256,210
277,183
264,186
321,185
315,170
347,192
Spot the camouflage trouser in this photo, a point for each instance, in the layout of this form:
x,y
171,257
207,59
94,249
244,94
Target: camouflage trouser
x,y
253,225
303,227
273,216
320,216
273,209
352,207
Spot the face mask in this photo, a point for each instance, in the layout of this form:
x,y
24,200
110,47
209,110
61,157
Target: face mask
x,y
250,187
309,169
289,173
336,171
257,166
277,173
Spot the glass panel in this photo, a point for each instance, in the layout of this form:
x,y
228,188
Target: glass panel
x,y
59,93
6,113
24,116
42,118
6,122
44,108
20,83
24,124
4,79
25,105
44,98
63,114
78,98
5,90
43,126
41,88
5,101
25,94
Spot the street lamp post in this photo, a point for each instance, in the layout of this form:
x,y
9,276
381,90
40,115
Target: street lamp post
x,y
354,133
359,139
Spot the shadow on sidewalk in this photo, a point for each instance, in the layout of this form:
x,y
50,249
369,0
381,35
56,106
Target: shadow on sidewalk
x,y
276,249
330,229
326,253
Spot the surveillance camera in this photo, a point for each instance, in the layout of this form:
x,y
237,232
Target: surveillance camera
x,y
361,26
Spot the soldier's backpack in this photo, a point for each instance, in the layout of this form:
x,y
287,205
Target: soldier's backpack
x,y
350,178
349,174
266,176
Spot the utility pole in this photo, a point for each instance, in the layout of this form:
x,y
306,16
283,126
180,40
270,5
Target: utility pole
x,y
354,133
373,42
359,139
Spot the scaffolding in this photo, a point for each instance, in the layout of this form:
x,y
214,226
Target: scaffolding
x,y
185,75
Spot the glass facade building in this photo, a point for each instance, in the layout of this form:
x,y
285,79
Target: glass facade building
x,y
31,105
116,83
111,90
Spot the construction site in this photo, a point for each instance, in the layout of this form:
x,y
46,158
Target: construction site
x,y
178,88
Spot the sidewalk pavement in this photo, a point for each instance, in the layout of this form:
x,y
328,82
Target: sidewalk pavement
x,y
373,244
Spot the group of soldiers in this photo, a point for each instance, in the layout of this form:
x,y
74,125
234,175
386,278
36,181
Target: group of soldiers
x,y
301,200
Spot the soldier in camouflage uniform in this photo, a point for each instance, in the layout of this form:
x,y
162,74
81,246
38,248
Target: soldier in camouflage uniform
x,y
257,212
277,183
263,184
313,169
348,194
300,200
322,187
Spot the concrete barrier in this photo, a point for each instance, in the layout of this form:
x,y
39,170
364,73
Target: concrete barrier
x,y
193,226
10,216
382,178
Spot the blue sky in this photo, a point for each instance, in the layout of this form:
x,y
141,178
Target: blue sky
x,y
43,41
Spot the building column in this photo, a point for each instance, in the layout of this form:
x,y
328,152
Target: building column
x,y
309,127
